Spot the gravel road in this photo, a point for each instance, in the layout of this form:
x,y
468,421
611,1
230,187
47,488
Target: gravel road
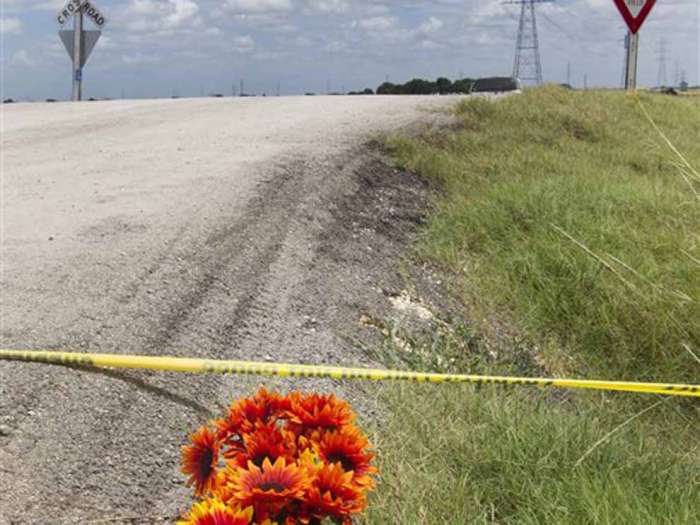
x,y
224,228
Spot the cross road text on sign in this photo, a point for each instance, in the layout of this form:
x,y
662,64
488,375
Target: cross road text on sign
x,y
634,12
89,10
68,11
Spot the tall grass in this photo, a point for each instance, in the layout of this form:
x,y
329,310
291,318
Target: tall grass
x,y
572,213
456,456
568,217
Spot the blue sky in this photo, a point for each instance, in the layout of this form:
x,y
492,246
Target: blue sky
x,y
187,47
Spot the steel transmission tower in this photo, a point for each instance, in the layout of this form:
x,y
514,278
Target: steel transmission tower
x,y
661,79
527,65
676,73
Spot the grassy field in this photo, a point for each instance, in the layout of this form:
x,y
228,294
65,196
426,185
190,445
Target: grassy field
x,y
569,219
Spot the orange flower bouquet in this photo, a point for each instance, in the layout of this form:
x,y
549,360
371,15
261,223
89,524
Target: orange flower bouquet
x,y
279,460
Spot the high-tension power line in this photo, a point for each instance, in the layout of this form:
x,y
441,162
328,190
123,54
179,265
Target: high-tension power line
x,y
527,65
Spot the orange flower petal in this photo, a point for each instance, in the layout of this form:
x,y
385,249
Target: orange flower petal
x,y
316,411
270,488
334,494
199,461
214,512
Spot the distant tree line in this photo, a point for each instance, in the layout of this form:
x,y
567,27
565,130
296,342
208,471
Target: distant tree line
x,y
366,91
419,86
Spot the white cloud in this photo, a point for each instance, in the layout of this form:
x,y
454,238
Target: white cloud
x,y
431,25
11,26
139,59
161,15
144,8
106,42
182,11
243,44
32,5
376,23
328,6
22,58
259,6
429,45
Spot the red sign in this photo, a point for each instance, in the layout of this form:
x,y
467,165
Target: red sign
x,y
634,12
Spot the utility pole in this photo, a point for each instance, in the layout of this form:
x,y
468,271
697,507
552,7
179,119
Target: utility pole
x,y
585,81
78,55
568,73
278,89
632,45
527,66
242,87
661,78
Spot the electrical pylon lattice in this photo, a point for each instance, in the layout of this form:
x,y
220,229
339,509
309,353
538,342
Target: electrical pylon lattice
x,y
527,65
661,78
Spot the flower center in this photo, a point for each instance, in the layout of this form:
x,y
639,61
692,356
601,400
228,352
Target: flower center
x,y
346,463
271,485
260,459
205,467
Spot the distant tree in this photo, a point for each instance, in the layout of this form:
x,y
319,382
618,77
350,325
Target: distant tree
x,y
387,88
444,85
463,85
368,91
419,86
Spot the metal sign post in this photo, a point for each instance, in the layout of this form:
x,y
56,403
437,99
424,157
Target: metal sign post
x,y
78,55
632,55
634,12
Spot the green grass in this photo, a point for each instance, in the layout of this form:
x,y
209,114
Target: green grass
x,y
455,456
566,216
531,175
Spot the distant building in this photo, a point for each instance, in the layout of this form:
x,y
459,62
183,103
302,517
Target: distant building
x,y
683,86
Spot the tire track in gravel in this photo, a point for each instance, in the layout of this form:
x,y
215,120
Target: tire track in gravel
x,y
245,246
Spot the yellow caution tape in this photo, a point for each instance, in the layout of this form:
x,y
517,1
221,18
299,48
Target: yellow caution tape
x,y
209,366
